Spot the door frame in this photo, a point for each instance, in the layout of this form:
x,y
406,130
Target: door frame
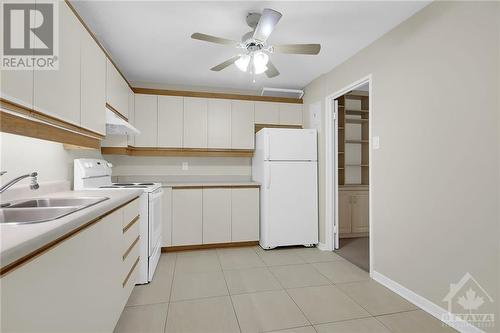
x,y
331,162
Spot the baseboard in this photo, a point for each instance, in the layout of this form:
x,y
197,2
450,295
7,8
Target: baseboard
x,y
426,305
207,246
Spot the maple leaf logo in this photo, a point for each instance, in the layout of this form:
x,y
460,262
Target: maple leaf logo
x,y
470,301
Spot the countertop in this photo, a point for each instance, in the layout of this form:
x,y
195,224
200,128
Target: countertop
x,y
193,181
210,184
17,241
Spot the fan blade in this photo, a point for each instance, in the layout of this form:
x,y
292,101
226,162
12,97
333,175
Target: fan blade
x,y
267,22
297,48
213,39
272,71
225,64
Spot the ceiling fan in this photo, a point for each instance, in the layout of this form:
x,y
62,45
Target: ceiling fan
x,y
255,59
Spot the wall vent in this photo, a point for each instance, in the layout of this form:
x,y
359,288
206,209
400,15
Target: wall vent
x,y
279,92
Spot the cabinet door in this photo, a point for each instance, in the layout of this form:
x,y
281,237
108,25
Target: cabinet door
x,y
170,121
344,212
216,215
146,118
57,92
195,122
244,214
219,123
360,212
290,114
116,90
187,215
242,125
167,217
131,116
267,113
93,84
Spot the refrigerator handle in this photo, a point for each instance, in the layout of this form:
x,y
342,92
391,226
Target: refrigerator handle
x,y
268,182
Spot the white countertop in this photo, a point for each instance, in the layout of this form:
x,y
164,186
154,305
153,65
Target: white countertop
x,y
208,183
192,180
20,240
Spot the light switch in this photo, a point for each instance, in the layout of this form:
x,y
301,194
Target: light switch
x,y
185,166
376,142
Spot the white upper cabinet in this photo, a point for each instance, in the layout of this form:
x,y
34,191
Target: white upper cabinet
x,y
267,113
131,116
242,125
57,92
195,122
117,90
170,121
93,84
290,113
146,120
219,123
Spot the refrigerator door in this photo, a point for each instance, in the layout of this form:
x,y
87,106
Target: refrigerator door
x,y
284,144
289,204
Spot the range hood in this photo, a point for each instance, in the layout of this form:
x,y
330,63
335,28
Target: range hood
x,y
117,125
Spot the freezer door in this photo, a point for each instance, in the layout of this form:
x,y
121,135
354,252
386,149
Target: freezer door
x,y
290,144
289,207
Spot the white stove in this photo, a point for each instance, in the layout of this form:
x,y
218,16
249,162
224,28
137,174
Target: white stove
x,y
95,174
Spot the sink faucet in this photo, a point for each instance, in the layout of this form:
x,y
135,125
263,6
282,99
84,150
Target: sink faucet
x,y
34,183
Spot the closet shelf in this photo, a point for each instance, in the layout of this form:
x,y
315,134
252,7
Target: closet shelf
x,y
355,121
356,165
356,112
356,141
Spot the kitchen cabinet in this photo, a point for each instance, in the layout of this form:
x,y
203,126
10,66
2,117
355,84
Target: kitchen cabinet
x,y
117,89
187,216
360,212
167,217
353,212
170,121
290,114
219,123
146,120
195,122
344,212
131,116
57,92
242,125
244,214
93,84
81,282
267,113
216,215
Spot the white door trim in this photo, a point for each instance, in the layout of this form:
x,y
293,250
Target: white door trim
x,y
331,195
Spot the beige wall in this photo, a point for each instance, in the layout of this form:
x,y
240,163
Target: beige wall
x,y
436,175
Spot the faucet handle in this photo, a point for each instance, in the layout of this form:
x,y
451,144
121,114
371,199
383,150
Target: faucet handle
x,y
2,173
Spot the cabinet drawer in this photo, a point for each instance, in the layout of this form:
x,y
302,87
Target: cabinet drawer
x,y
130,263
130,236
130,212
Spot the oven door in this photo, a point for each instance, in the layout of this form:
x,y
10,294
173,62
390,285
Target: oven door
x,y
155,220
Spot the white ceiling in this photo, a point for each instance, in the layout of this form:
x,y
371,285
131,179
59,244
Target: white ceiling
x,y
150,40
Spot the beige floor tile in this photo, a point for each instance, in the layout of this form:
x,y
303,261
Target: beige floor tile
x,y
267,311
311,255
239,258
250,280
326,304
198,285
295,276
413,322
376,298
341,271
201,316
363,325
278,257
197,261
305,329
158,290
144,319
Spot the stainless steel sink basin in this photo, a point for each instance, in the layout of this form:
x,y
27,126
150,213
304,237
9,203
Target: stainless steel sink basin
x,y
44,209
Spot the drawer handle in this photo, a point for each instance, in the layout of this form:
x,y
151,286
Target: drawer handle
x,y
124,283
131,223
125,255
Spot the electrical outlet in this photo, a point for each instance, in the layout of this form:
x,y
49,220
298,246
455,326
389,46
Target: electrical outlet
x,y
376,142
185,166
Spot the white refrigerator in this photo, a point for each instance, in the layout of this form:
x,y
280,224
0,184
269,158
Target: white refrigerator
x,y
285,164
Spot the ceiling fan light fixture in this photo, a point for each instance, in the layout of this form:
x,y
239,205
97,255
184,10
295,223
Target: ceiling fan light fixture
x,y
243,62
260,60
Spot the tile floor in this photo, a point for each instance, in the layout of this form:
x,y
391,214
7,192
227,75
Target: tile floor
x,y
248,289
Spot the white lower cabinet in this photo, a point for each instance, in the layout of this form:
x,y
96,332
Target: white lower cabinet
x,y
216,215
244,214
76,286
187,216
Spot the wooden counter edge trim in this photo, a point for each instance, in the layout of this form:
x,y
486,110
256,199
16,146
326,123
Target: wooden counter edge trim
x,y
159,151
187,93
125,255
130,224
115,111
174,187
124,283
208,246
44,248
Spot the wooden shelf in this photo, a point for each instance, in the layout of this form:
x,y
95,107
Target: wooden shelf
x,y
355,121
341,152
356,112
356,165
341,128
356,141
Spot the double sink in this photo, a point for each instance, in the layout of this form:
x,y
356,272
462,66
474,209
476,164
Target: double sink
x,y
44,209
